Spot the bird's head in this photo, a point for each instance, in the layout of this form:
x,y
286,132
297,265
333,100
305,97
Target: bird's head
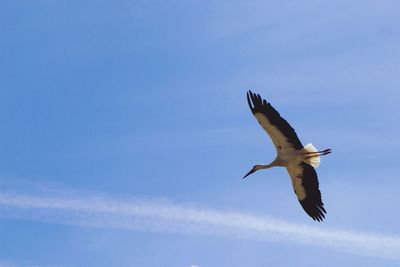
x,y
253,170
259,167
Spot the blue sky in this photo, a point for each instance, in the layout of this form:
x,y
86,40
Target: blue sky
x,y
122,120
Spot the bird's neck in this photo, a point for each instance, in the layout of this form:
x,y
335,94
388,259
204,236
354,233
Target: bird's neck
x,y
264,166
276,162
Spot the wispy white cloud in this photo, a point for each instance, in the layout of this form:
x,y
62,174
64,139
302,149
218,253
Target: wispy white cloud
x,y
162,216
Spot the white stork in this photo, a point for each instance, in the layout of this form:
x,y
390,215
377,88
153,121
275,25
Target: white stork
x,y
299,160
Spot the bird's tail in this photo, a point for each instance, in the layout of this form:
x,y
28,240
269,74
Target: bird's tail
x,y
312,159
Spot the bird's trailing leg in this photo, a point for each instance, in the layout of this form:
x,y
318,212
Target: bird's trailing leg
x,y
316,153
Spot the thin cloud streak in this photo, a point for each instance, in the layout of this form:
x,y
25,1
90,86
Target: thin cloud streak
x,y
162,216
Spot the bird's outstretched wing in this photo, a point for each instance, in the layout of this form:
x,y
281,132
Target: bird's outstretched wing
x,y
305,185
280,131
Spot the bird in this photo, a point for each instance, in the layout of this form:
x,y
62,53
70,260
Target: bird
x,y
300,161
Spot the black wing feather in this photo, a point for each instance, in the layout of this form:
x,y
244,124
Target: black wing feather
x,y
258,105
312,203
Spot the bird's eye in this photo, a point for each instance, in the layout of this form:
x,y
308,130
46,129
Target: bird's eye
x,y
279,147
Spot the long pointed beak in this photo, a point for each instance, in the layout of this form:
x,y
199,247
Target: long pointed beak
x,y
250,172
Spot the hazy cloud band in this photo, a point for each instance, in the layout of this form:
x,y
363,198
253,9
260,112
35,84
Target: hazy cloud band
x,y
162,216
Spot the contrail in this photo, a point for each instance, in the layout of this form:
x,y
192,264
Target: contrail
x,y
162,216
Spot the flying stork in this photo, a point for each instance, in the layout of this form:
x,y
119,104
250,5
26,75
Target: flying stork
x,y
299,160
